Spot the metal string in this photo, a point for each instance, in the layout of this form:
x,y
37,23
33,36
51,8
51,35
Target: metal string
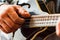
x,y
43,29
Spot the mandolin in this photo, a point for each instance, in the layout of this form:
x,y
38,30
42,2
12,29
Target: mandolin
x,y
49,20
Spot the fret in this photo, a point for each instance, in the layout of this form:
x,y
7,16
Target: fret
x,y
44,20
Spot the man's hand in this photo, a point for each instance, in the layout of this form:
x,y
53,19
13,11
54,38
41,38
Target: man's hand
x,y
9,19
58,28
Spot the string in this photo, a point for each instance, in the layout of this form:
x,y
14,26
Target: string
x,y
43,29
37,21
44,17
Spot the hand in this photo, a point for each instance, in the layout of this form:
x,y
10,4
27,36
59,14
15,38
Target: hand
x,y
58,28
9,19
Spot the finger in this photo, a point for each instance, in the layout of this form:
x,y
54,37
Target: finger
x,y
16,27
4,26
58,28
3,30
10,23
22,11
13,15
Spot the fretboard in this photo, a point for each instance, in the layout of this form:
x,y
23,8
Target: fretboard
x,y
44,20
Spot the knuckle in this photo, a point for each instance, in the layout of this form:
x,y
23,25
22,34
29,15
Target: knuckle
x,y
9,9
4,11
2,15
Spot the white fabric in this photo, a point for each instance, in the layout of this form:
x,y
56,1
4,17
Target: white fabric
x,y
19,36
23,1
